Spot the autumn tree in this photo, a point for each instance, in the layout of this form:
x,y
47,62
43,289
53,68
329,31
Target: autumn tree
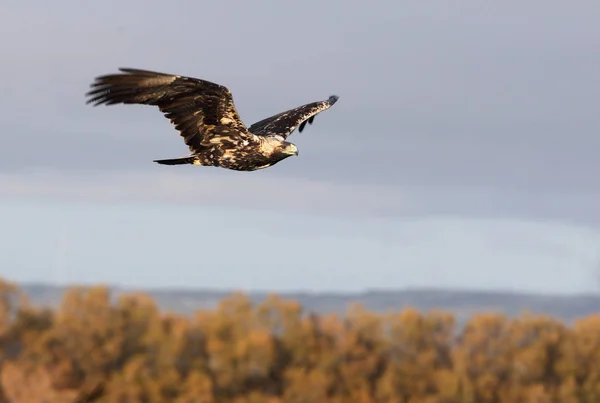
x,y
275,352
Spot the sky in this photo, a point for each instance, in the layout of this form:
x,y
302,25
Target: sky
x,y
462,152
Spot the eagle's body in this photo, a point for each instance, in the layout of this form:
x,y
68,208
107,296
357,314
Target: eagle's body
x,y
204,114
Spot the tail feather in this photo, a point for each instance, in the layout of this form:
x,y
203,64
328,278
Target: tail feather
x,y
177,161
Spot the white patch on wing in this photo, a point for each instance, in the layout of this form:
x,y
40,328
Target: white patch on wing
x,y
217,139
225,121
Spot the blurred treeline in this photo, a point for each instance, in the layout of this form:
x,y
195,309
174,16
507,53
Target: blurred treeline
x,y
274,353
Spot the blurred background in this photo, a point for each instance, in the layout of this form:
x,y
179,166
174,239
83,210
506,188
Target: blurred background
x,y
458,170
462,152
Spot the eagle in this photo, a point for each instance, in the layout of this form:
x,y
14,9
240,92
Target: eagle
x,y
204,114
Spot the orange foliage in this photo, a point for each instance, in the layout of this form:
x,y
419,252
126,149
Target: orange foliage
x,y
273,352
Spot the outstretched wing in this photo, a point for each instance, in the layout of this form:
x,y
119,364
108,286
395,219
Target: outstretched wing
x,y
284,123
202,111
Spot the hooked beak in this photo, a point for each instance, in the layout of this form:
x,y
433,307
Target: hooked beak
x,y
292,150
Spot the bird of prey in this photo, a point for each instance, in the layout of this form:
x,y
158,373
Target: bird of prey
x,y
204,114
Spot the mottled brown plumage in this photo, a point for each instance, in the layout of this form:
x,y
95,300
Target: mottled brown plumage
x,y
205,115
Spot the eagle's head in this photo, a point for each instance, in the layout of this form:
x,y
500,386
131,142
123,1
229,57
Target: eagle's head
x,y
282,151
288,149
275,150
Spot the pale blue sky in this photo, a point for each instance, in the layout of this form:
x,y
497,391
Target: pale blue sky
x,y
151,245
463,151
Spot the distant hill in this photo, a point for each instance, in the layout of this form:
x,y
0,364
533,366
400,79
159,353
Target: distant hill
x,y
461,303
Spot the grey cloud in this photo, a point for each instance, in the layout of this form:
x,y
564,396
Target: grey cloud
x,y
233,189
264,191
